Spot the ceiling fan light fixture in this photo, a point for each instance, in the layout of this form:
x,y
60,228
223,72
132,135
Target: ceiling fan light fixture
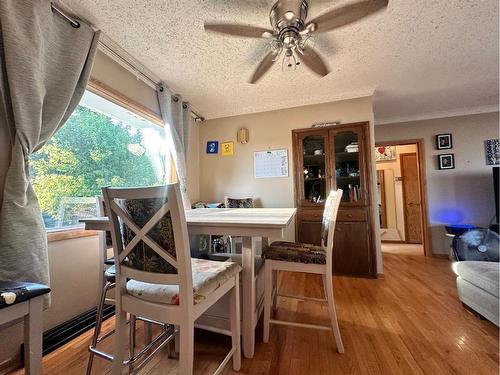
x,y
289,62
289,16
291,31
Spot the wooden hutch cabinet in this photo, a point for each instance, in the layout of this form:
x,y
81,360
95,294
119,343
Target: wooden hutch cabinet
x,y
328,158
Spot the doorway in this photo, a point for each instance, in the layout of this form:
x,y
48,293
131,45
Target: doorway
x,y
401,193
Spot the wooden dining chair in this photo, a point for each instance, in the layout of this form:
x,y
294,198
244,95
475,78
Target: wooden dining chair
x,y
306,258
156,277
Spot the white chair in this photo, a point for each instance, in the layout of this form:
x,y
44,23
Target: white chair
x,y
297,257
155,275
23,301
106,285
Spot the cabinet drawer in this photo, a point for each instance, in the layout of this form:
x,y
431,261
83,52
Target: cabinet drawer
x,y
311,215
353,214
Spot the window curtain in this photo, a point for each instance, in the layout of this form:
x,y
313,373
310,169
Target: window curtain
x,y
176,115
45,64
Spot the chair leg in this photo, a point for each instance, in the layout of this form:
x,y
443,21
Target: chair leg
x,y
98,324
275,287
131,338
268,289
120,340
33,330
324,286
234,315
328,280
186,354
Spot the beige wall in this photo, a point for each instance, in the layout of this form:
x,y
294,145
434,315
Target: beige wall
x,y
464,194
233,175
120,79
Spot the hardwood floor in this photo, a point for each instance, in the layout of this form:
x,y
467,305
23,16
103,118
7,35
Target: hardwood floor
x,y
409,322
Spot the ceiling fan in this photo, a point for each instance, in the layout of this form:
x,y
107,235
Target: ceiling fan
x,y
291,32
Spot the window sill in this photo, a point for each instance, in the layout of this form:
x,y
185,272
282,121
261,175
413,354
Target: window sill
x,y
69,234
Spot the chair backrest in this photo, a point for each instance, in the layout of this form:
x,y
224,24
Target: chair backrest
x,y
102,212
150,239
328,223
239,202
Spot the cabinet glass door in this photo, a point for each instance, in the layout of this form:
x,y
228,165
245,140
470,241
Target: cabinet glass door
x,y
314,165
348,173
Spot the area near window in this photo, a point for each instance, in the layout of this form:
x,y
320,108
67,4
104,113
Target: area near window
x,y
101,144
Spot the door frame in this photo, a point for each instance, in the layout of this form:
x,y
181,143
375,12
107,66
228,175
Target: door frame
x,y
426,239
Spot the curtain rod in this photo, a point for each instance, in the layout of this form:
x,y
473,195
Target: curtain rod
x,y
121,60
73,22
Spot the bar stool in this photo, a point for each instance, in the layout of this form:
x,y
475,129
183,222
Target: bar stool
x,y
107,282
25,300
306,258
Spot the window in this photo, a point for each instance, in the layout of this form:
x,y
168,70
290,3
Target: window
x,y
101,144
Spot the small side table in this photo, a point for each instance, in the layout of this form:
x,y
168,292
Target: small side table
x,y
28,305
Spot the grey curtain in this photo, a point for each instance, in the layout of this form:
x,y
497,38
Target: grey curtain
x,y
44,68
176,114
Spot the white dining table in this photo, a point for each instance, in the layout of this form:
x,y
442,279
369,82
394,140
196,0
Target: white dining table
x,y
255,226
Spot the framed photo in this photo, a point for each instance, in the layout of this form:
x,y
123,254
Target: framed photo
x,y
227,148
492,151
385,153
444,141
446,161
212,147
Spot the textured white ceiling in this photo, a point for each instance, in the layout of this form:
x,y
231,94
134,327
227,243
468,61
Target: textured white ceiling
x,y
420,57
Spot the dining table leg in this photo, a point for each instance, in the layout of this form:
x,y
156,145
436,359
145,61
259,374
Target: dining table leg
x,y
248,296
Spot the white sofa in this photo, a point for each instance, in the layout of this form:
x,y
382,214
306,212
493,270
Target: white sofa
x,y
478,287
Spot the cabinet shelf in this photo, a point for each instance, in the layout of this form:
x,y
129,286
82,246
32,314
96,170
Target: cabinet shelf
x,y
347,178
314,157
314,179
341,157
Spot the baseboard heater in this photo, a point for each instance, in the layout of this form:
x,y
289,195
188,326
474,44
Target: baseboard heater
x,y
67,331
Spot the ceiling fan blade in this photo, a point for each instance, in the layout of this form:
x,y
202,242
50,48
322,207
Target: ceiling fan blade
x,y
345,15
263,67
245,31
314,61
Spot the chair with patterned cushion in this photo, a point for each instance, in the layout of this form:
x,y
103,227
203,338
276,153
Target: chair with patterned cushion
x,y
246,201
306,258
106,285
156,277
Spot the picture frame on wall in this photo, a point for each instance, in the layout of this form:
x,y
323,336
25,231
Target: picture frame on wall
x,y
492,151
227,148
385,153
212,147
446,161
444,141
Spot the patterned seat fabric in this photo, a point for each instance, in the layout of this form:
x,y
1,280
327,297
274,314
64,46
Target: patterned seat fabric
x,y
295,252
142,256
239,203
208,276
